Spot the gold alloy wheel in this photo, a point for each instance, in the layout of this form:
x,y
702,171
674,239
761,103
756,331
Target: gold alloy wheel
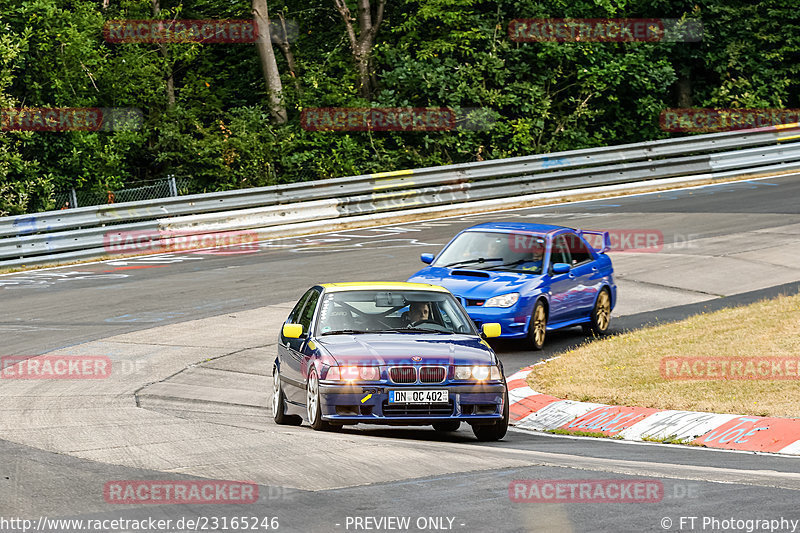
x,y
603,311
539,325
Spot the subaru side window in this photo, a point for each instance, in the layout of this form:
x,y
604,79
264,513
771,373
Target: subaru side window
x,y
578,250
561,251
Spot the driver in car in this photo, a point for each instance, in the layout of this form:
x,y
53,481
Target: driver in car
x,y
535,262
417,312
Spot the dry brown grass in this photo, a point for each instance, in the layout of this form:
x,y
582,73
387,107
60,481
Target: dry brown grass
x,y
625,369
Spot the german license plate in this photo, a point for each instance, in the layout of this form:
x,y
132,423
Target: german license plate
x,y
418,396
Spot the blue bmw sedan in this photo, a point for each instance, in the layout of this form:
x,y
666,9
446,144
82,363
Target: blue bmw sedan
x,y
529,278
388,353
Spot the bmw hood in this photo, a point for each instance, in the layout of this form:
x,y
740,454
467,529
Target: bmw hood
x,y
477,284
404,348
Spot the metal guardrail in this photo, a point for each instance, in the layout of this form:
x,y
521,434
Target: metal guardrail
x,y
83,233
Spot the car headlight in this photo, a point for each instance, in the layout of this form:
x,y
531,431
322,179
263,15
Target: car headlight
x,y
504,300
479,373
353,373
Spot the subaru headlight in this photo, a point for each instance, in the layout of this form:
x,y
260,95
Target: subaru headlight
x,y
504,300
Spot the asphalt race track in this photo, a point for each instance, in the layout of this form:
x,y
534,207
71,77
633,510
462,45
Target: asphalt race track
x,y
194,334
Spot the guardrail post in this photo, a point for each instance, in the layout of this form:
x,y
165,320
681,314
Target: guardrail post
x,y
173,187
74,197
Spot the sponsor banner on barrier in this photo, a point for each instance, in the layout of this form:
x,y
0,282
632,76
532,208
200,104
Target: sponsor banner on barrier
x,y
715,120
754,433
555,414
586,491
55,367
609,420
730,368
134,492
602,30
675,425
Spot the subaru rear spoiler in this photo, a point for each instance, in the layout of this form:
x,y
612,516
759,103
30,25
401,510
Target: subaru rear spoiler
x,y
604,234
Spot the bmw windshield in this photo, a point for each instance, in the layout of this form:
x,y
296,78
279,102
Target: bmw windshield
x,y
479,250
380,311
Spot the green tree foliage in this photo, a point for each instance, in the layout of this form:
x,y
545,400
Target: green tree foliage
x,y
521,97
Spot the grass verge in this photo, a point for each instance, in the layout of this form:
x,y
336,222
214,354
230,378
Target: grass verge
x,y
627,369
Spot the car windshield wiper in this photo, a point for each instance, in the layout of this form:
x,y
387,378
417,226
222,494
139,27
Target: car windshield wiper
x,y
345,332
404,329
476,260
511,264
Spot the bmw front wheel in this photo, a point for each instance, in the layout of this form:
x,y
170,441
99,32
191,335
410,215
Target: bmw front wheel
x,y
497,430
314,405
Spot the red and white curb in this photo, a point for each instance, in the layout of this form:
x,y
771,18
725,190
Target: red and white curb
x,y
532,410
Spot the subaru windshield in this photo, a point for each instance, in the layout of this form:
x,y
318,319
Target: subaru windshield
x,y
480,250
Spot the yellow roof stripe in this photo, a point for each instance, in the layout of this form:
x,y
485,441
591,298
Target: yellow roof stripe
x,y
381,285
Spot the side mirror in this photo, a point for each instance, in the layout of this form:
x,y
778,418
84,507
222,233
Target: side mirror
x,y
491,329
426,258
292,331
561,268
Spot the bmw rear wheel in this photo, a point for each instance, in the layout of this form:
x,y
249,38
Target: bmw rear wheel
x,y
314,405
497,430
601,314
279,403
538,326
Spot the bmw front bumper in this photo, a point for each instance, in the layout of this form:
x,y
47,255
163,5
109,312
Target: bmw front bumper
x,y
368,403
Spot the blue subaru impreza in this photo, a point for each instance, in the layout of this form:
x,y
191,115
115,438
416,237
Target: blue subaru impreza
x,y
529,278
